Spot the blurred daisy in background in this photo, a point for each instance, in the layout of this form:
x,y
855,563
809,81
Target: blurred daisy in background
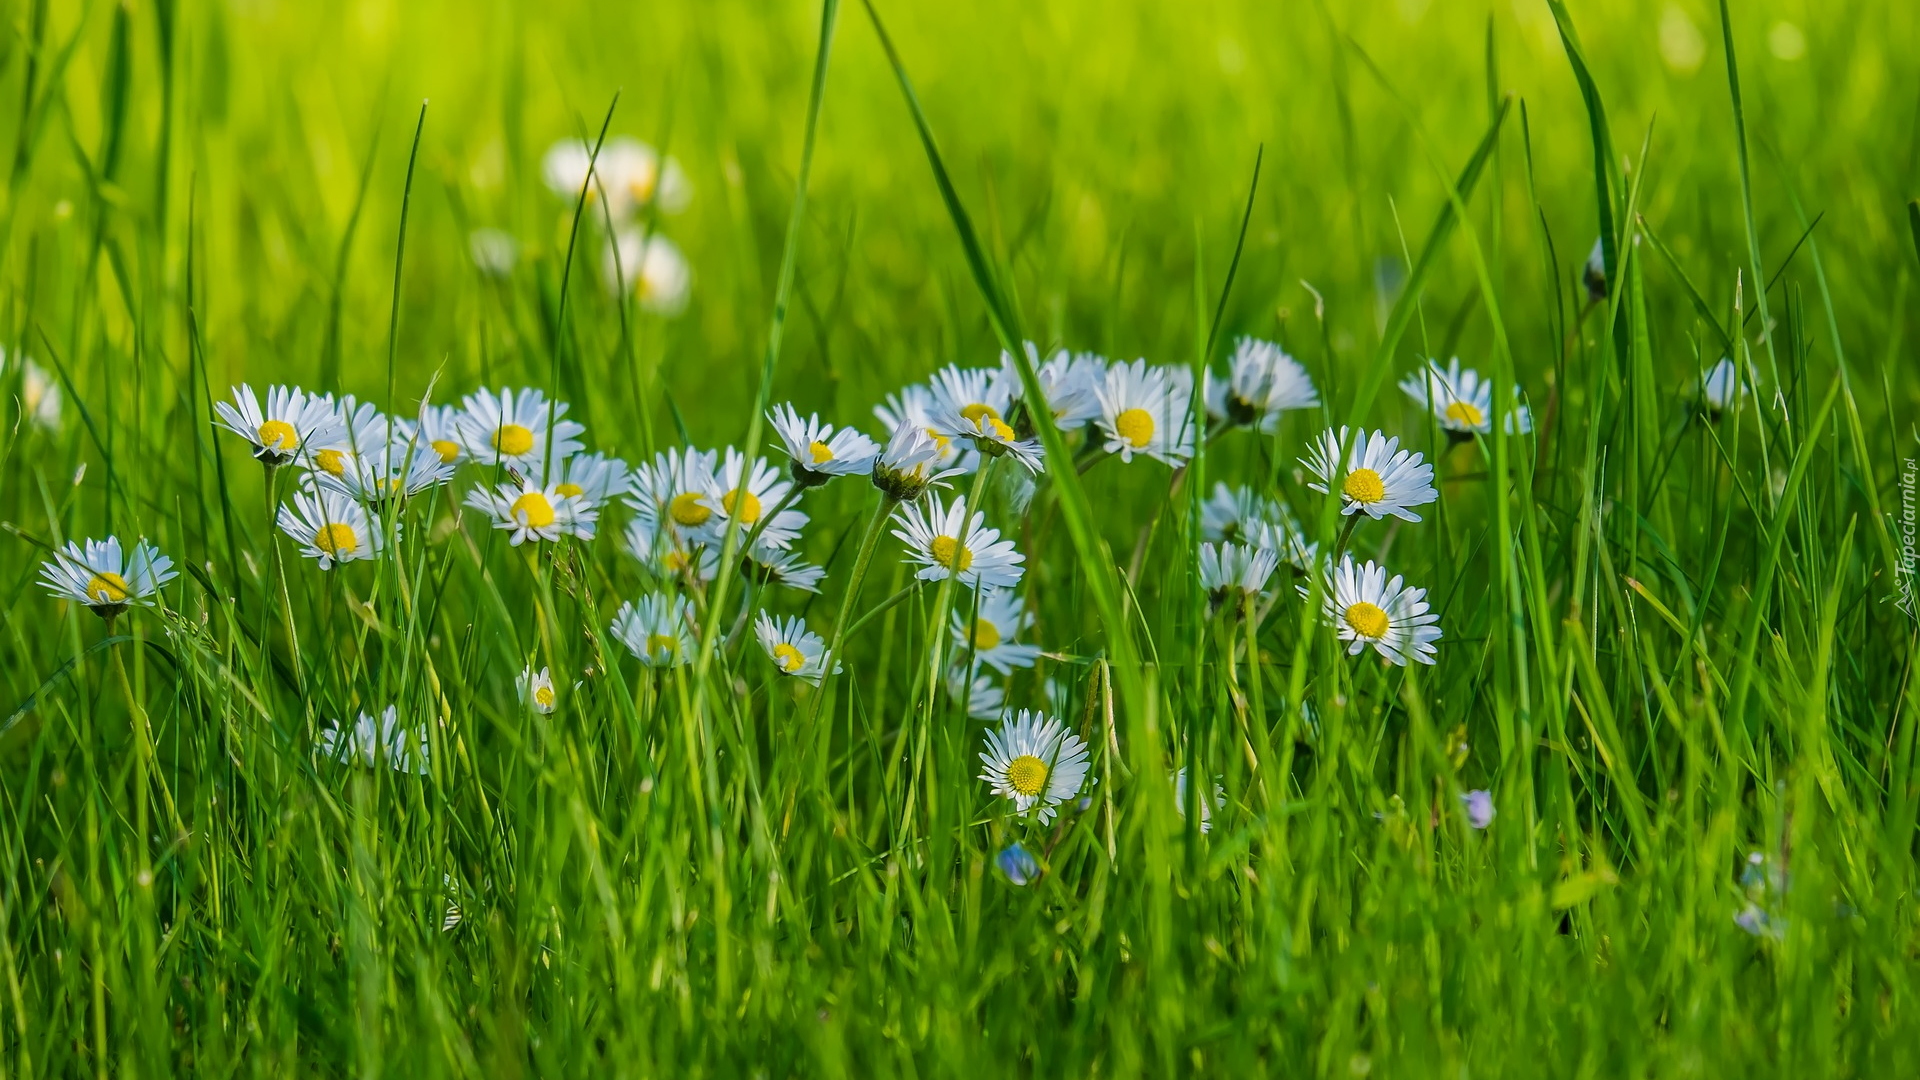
x,y
981,696
1378,478
1144,411
291,422
592,479
516,428
819,451
1207,806
988,636
536,689
630,174
1460,401
1069,381
1721,388
104,578
370,742
533,512
1035,761
658,629
1232,572
772,566
1231,513
1478,805
1594,274
494,253
667,556
40,396
948,543
649,267
331,527
750,491
1286,539
1368,609
794,649
1262,382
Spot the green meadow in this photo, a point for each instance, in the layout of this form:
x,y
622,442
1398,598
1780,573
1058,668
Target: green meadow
x,y
1645,806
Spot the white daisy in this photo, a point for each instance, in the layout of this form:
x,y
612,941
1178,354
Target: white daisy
x,y
493,252
440,429
98,576
1285,538
1232,513
666,555
373,741
1069,381
794,649
772,566
673,491
1721,389
982,695
1230,572
292,421
975,403
533,512
1460,400
658,630
946,542
916,406
1594,274
651,267
516,428
331,527
910,464
820,452
1207,806
1262,383
1368,609
40,395
536,689
389,475
1142,411
1378,478
630,174
1035,761
750,492
593,479
989,635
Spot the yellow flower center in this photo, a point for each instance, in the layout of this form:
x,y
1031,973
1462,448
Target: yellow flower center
x,y
1135,426
108,588
951,554
939,440
279,435
986,636
513,440
687,509
662,643
337,540
749,511
532,510
788,658
570,489
1466,414
543,696
1027,775
642,185
333,461
677,561
822,453
1367,620
1363,485
447,449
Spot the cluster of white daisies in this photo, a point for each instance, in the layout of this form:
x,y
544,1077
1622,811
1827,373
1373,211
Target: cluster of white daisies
x,y
358,469
628,187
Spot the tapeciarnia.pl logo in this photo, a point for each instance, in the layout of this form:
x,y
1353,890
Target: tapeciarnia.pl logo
x,y
1909,472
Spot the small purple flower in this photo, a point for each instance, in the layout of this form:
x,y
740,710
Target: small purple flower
x,y
1479,804
1018,864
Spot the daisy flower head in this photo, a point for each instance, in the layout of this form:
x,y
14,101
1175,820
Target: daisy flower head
x,y
1461,401
975,403
536,689
292,423
651,268
916,405
629,173
40,396
533,512
794,649
658,629
371,741
1230,572
362,430
1377,478
1070,382
1286,539
1721,388
106,579
390,474
593,479
1367,608
673,493
1594,274
1207,806
773,566
493,252
988,636
332,527
1232,513
518,429
667,555
750,491
1035,761
819,451
910,464
947,542
440,430
1262,382
1143,412
983,697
